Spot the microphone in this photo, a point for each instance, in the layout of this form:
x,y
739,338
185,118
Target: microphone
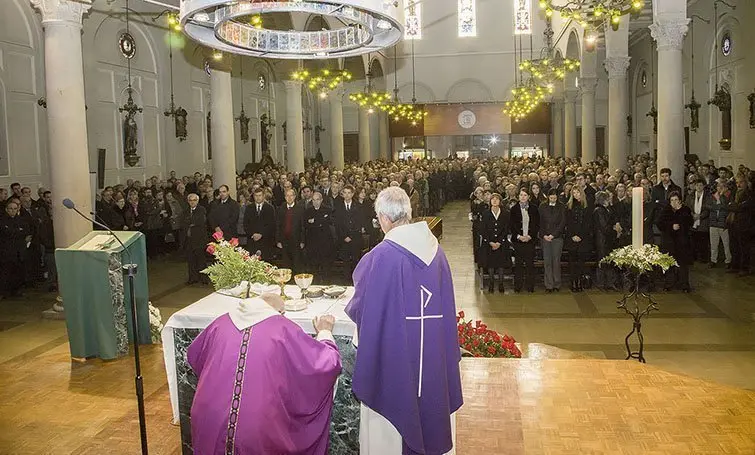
x,y
69,204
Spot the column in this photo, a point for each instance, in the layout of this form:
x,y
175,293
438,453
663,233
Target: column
x,y
669,35
66,116
384,153
336,128
364,135
375,135
570,124
294,132
223,144
558,128
617,112
587,87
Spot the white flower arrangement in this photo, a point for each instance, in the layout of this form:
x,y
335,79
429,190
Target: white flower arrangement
x,y
155,324
641,260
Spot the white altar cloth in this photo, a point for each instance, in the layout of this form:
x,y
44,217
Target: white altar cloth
x,y
201,313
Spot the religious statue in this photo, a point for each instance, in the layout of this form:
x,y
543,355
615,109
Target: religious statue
x,y
209,135
751,99
243,125
694,113
130,130
285,132
266,133
318,129
722,100
653,113
180,120
629,125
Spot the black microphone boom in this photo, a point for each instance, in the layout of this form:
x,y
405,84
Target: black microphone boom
x,y
131,268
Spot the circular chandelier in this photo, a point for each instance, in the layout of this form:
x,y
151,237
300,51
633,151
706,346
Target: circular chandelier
x,y
549,70
593,11
238,27
370,100
525,99
322,82
398,111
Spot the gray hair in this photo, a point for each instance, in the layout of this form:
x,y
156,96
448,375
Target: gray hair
x,y
393,203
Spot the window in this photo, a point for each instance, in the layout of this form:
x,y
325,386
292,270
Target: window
x,y
522,17
413,28
467,18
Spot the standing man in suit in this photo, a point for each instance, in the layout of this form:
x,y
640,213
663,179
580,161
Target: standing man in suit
x,y
318,234
224,214
326,191
290,231
525,224
664,188
349,221
194,233
306,196
259,224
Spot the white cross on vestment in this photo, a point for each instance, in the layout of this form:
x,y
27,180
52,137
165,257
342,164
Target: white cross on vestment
x,y
424,297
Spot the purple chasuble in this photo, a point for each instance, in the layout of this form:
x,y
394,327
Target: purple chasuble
x,y
274,381
407,363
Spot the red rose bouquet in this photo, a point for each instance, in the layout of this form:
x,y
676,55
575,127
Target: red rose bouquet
x,y
480,341
234,264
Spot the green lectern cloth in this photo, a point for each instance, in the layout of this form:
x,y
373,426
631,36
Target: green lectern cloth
x,y
96,295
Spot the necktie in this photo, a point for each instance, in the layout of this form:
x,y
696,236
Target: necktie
x,y
259,208
348,207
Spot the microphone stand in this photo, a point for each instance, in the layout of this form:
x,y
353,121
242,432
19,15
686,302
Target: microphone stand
x,y
131,269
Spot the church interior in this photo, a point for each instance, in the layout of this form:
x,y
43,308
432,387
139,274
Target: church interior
x,y
115,94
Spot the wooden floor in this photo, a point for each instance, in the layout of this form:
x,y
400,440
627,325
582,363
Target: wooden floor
x,y
690,399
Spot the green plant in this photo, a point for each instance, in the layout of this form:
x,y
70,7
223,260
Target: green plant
x,y
640,260
234,264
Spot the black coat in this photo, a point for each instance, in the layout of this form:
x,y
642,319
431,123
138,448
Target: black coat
x,y
492,230
263,224
579,223
13,232
677,243
297,224
622,211
319,234
516,226
660,194
224,215
194,228
349,223
605,236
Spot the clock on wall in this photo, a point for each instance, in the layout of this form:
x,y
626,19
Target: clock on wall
x,y
726,44
127,45
467,119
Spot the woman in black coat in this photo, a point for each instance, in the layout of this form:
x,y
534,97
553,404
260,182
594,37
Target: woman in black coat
x,y
604,225
477,207
494,252
579,237
676,225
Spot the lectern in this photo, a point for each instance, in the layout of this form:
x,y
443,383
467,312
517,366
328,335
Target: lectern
x,y
96,295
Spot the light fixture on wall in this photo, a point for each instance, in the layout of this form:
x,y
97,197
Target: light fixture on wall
x,y
179,114
721,97
586,12
130,127
693,105
242,118
653,112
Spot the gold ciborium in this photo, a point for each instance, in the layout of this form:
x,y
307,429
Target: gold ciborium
x,y
282,276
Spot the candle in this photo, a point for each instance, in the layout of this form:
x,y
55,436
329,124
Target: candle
x,y
637,217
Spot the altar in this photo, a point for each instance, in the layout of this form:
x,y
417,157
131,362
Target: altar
x,y
186,324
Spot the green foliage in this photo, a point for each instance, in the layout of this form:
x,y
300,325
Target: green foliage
x,y
234,264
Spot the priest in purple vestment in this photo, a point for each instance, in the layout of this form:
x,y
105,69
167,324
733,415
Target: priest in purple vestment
x,y
265,386
407,365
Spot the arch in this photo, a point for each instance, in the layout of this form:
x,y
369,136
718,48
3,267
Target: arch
x,y
107,34
469,90
728,23
378,74
16,26
424,92
574,44
356,66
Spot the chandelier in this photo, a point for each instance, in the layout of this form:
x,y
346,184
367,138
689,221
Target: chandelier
x,y
593,11
549,70
323,82
369,99
240,27
397,110
525,99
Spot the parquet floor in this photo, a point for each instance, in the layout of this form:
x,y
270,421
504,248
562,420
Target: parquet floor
x,y
544,405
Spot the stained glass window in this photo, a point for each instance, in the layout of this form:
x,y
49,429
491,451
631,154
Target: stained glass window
x,y
413,28
467,18
522,17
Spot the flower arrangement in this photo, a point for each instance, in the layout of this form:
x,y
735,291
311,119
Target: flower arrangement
x,y
234,264
155,324
480,341
641,260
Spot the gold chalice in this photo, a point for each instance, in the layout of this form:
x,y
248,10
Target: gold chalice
x,y
303,280
282,276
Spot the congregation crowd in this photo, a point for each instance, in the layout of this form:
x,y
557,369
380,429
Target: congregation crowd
x,y
523,211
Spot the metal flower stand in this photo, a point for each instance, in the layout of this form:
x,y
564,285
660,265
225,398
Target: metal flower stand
x,y
630,303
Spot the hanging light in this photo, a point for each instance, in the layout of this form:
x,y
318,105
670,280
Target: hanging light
x,y
593,12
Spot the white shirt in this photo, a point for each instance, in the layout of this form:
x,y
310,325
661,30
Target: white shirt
x,y
698,208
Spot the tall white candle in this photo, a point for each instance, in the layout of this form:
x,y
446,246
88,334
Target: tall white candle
x,y
637,217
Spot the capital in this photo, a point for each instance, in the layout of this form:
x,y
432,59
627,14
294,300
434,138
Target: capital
x,y
570,96
669,33
588,84
62,11
292,85
616,67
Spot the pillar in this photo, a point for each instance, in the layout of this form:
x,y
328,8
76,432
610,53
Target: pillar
x,y
336,128
294,131
66,116
558,128
364,136
617,112
669,35
384,153
587,88
570,124
223,144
